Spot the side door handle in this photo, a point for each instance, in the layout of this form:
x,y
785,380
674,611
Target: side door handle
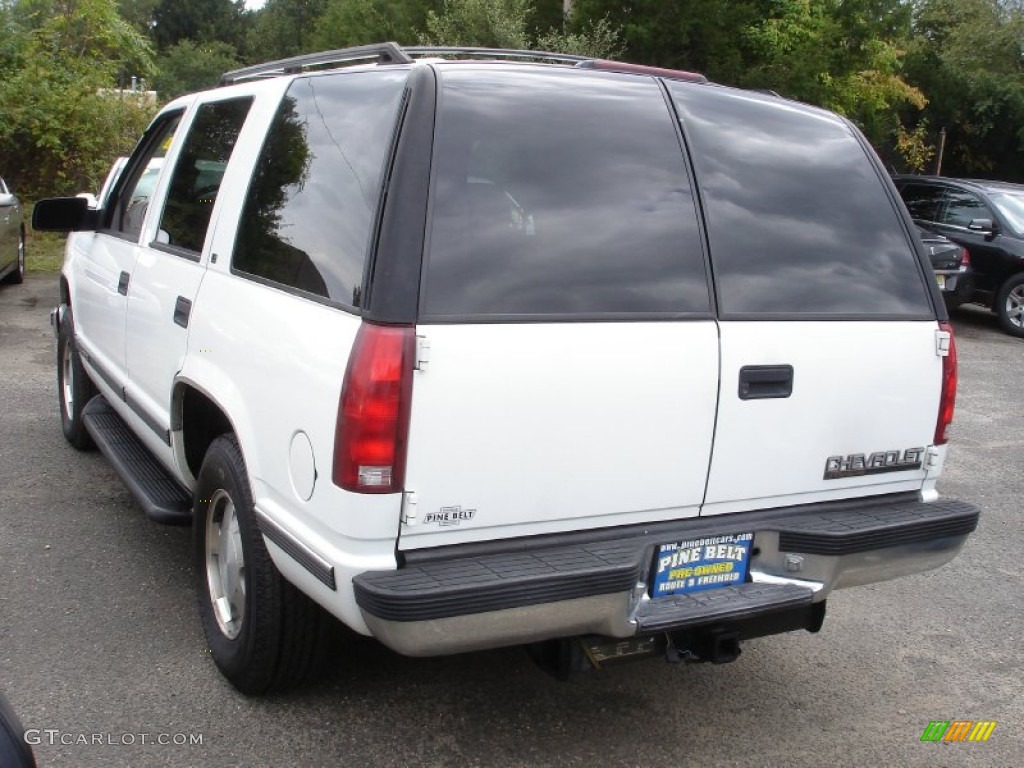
x,y
182,309
122,283
763,382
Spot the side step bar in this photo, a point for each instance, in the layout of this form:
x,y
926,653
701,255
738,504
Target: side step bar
x,y
159,494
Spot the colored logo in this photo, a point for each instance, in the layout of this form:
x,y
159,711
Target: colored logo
x,y
958,730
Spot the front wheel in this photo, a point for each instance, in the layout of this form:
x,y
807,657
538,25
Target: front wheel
x,y
74,387
263,633
1010,305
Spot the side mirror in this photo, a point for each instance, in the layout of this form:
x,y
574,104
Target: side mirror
x,y
982,225
6,201
64,214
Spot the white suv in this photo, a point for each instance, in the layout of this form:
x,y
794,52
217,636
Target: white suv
x,y
529,350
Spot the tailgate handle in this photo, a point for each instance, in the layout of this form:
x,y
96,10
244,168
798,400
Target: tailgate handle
x,y
761,382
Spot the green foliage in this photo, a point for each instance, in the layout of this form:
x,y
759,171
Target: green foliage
x,y
359,22
138,13
186,67
901,69
63,121
490,23
507,24
914,148
200,21
284,28
966,55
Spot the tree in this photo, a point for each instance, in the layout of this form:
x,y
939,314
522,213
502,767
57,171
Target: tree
x,y
188,66
506,24
138,13
200,21
284,28
64,122
966,55
358,22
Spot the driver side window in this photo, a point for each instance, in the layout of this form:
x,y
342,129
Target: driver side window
x,y
133,201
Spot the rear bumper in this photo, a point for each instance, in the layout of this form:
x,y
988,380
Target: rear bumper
x,y
958,285
506,593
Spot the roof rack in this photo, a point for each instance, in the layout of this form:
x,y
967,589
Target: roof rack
x,y
493,53
392,53
384,53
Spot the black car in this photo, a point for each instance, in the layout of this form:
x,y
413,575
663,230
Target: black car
x,y
986,218
952,265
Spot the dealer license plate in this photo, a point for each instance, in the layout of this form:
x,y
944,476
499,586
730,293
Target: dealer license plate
x,y
703,563
941,280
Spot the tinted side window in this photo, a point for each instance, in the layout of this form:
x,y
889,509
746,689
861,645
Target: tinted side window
x,y
799,222
961,207
309,212
922,200
559,195
198,173
133,201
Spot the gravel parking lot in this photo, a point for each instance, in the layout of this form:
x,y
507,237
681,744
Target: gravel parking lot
x,y
100,640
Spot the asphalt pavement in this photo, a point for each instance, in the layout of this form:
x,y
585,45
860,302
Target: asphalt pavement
x,y
103,658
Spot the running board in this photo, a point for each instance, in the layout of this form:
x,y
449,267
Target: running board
x,y
159,494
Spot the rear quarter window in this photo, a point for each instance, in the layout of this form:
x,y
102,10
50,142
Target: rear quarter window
x,y
310,208
558,195
799,222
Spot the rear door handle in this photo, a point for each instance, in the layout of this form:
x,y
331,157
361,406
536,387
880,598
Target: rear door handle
x,y
182,309
122,283
763,382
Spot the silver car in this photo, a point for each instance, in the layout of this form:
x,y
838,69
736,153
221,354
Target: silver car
x,y
12,237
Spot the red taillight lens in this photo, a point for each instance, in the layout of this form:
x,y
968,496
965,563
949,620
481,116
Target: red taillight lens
x,y
373,412
947,401
967,258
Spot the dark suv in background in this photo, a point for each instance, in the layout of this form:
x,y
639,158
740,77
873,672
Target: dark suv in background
x,y
987,218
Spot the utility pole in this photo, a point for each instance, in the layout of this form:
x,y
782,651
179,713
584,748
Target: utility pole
x,y
942,151
566,7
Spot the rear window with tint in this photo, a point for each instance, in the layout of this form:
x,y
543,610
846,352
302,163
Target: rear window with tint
x,y
799,222
309,211
559,195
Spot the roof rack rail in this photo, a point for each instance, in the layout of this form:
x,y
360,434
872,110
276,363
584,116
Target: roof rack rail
x,y
493,53
607,65
392,53
385,53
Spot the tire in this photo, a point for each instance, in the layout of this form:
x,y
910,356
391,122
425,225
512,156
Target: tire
x,y
1009,305
267,636
14,750
17,277
74,387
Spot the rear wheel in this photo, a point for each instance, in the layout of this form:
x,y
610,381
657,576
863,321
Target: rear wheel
x,y
1010,305
74,387
263,633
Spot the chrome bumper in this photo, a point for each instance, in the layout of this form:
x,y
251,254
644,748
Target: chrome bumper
x,y
453,604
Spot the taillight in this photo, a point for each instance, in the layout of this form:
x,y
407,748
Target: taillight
x,y
373,412
966,262
948,399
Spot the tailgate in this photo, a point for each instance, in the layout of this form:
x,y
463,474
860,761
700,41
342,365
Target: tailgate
x,y
858,421
525,429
